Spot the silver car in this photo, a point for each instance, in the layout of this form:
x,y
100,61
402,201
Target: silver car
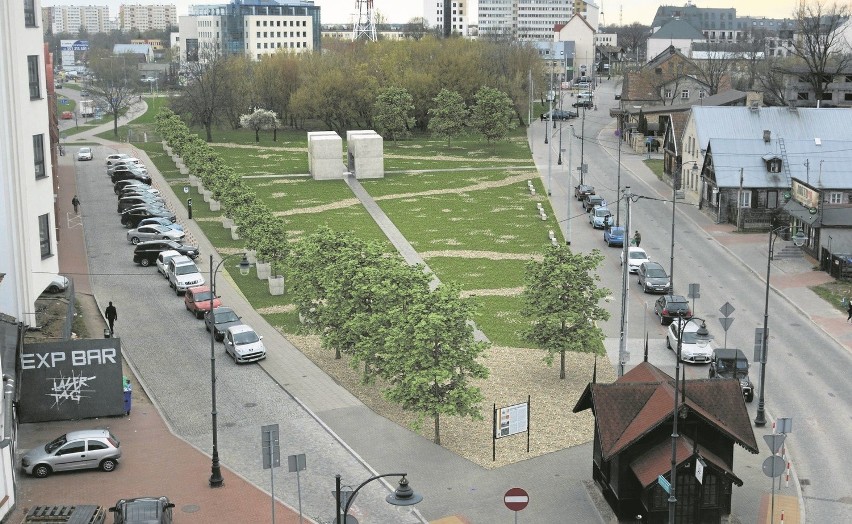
x,y
244,344
153,232
87,449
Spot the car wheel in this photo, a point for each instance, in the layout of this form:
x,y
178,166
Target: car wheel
x,y
41,471
207,327
54,289
199,315
644,288
749,398
134,240
662,323
145,262
108,465
668,343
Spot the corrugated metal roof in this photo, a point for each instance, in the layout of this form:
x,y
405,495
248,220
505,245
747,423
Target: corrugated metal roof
x,y
142,49
825,165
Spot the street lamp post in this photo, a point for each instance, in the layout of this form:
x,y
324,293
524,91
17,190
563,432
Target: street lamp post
x,y
216,480
402,496
798,240
702,338
677,180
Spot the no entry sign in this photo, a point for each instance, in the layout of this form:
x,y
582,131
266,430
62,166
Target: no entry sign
x,y
516,499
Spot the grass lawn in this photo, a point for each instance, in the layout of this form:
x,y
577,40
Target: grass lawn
x,y
402,183
835,292
478,273
657,167
499,317
76,130
251,161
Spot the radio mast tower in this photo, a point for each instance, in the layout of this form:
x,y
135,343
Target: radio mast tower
x,y
366,24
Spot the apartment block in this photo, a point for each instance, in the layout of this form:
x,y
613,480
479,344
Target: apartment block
x,y
146,17
70,18
434,12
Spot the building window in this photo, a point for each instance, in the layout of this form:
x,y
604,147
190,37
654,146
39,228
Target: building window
x,y
684,94
667,93
44,235
802,96
827,96
38,155
745,198
32,68
29,13
835,198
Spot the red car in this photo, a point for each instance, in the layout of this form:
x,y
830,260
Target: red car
x,y
197,300
67,115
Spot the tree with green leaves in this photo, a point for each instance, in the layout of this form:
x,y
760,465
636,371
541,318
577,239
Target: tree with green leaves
x,y
260,119
432,358
392,112
562,300
449,116
493,114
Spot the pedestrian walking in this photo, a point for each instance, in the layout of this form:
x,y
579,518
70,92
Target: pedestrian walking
x,y
637,238
76,203
111,316
849,310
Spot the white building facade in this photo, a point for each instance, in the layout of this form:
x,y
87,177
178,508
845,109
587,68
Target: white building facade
x,y
528,20
145,17
433,12
70,18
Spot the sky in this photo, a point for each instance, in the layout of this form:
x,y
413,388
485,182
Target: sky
x,y
400,11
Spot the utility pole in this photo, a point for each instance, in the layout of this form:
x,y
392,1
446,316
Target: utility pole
x,y
568,200
582,144
618,188
625,288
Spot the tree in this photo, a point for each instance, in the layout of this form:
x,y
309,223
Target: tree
x,y
114,84
820,44
392,112
561,297
449,116
416,28
716,67
493,114
202,100
633,37
435,358
260,119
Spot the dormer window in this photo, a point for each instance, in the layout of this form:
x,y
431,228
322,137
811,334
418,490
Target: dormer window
x,y
773,163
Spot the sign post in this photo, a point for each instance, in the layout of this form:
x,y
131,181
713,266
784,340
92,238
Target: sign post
x,y
516,499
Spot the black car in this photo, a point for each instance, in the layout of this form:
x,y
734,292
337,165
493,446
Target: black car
x,y
559,114
591,201
587,103
653,278
130,202
143,191
146,253
120,185
732,363
143,510
223,318
583,190
130,174
131,218
670,307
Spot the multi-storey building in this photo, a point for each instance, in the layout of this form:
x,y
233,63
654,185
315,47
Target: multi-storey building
x,y
435,12
254,29
144,17
70,18
530,20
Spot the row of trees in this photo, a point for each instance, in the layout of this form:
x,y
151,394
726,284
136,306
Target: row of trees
x,y
340,86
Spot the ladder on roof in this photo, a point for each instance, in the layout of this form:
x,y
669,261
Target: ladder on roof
x,y
784,162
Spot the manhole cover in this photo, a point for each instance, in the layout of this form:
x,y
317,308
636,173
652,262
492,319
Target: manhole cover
x,y
190,508
249,405
229,424
804,482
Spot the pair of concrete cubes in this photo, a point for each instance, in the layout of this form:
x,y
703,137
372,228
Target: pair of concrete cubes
x,y
365,154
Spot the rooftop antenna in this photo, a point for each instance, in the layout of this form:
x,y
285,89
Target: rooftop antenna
x,y
603,21
366,23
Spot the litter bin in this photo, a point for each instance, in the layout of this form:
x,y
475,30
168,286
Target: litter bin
x,y
128,390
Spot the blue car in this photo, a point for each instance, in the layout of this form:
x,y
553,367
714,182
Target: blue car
x,y
161,221
614,236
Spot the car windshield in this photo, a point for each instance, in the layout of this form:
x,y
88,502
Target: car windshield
x,y
142,510
226,316
656,273
186,269
690,337
728,365
603,213
203,295
245,337
638,255
52,446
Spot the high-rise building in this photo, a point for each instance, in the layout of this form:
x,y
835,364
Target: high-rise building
x,y
436,11
70,18
144,17
251,27
529,20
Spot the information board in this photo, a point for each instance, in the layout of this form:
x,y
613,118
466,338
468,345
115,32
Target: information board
x,y
513,419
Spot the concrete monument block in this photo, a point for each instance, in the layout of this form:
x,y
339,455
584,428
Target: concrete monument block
x,y
365,150
325,153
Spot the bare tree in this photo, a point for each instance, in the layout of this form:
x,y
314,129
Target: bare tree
x,y
820,44
202,99
716,66
752,50
115,83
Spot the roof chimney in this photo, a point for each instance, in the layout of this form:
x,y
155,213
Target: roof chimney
x,y
766,135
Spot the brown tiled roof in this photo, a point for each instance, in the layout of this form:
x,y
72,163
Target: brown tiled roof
x,y
658,461
643,399
644,84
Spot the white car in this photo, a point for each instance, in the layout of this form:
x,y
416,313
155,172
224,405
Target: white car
x,y
163,261
59,283
690,350
84,153
243,344
110,159
636,256
153,232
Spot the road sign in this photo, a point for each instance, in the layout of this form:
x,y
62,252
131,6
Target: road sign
x,y
784,425
726,309
699,470
270,448
296,463
773,466
516,499
758,345
726,322
665,484
774,441
694,291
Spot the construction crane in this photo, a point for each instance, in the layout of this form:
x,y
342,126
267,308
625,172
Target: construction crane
x,y
365,25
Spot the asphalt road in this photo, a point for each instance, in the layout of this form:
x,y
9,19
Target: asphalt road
x,y
807,371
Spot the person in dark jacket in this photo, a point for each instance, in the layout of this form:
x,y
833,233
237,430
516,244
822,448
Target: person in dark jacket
x,y
111,315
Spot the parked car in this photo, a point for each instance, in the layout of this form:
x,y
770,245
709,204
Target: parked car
x,y
110,159
559,114
586,102
222,318
732,363
143,510
84,153
59,283
614,236
583,190
125,162
121,185
130,202
67,115
153,232
690,350
146,252
163,261
653,278
130,174
132,217
600,217
85,449
197,300
244,344
670,307
636,256
593,200
162,222
183,274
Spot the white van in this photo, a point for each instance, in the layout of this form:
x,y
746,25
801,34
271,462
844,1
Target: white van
x,y
183,274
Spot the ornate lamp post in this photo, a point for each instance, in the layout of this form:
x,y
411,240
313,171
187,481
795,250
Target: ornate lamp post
x,y
402,496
